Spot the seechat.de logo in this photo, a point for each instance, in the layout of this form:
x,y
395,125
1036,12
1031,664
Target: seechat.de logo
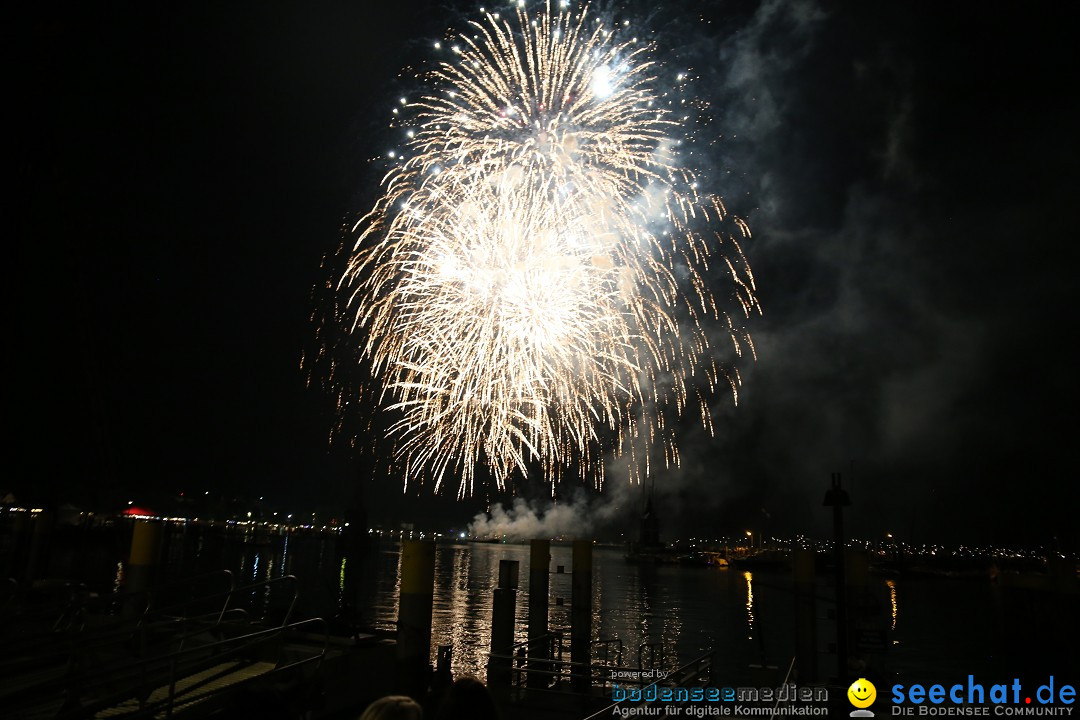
x,y
974,698
862,694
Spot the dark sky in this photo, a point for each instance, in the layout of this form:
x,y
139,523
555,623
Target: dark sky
x,y
908,171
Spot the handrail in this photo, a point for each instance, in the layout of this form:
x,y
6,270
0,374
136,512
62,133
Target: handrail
x,y
77,648
236,592
54,611
558,637
548,634
791,666
162,671
170,700
607,648
556,667
70,637
161,591
651,646
521,664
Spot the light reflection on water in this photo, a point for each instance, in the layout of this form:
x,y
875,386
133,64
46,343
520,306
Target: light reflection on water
x,y
667,612
891,584
659,614
749,576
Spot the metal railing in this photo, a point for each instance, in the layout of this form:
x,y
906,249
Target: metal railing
x,y
144,681
84,627
284,580
73,654
651,655
559,674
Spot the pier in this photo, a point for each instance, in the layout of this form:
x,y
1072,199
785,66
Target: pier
x,y
208,644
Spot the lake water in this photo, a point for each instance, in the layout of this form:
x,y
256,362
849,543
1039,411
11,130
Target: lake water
x,y
933,629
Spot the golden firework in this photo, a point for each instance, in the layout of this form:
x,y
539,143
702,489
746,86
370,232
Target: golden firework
x,y
530,284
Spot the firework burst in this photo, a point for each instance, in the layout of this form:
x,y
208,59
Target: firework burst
x,y
530,286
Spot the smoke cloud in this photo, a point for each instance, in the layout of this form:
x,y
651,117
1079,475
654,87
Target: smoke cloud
x,y
579,516
526,521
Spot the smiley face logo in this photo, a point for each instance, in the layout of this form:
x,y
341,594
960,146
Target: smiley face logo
x,y
862,693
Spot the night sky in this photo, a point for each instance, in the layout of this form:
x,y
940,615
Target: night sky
x,y
909,172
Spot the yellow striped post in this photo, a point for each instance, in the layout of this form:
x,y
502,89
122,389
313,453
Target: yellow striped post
x,y
414,613
143,560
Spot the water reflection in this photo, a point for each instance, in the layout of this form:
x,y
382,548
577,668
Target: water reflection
x,y
665,614
461,615
641,606
681,612
266,595
891,584
749,603
659,615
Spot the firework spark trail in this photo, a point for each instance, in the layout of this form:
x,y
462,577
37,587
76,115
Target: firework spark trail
x,y
518,285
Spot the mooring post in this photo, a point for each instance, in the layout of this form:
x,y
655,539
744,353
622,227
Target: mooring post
x,y
40,539
143,561
581,616
19,549
805,616
503,609
539,642
857,577
837,498
444,674
414,615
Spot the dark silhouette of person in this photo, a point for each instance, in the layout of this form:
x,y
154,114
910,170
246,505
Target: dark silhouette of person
x,y
393,707
467,699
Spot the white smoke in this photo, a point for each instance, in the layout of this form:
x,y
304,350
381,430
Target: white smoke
x,y
576,518
523,521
